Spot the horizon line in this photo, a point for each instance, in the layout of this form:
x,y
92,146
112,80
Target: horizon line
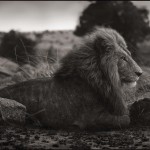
x,y
50,30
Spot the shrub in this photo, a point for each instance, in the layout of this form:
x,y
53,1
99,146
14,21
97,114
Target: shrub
x,y
17,47
124,16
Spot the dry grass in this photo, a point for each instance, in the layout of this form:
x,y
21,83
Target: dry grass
x,y
50,48
28,72
43,67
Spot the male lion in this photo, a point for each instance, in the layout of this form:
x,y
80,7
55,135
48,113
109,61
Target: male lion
x,y
88,89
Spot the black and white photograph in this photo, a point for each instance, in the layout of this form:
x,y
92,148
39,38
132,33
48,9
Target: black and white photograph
x,y
74,75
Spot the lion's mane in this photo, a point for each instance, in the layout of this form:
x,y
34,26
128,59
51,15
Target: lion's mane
x,y
94,65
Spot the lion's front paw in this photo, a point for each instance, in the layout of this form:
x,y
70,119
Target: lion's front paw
x,y
123,121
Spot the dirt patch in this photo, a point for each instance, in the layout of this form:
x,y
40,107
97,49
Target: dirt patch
x,y
37,138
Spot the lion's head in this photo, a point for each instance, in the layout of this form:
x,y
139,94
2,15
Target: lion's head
x,y
104,61
113,57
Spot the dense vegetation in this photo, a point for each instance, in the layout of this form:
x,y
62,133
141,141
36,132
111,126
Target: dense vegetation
x,y
17,47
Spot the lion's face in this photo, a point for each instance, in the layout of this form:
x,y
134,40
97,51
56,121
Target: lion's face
x,y
116,59
129,71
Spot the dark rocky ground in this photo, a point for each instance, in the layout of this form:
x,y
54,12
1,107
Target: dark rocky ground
x,y
36,138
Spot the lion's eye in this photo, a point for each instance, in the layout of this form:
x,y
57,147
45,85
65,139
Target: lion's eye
x,y
124,58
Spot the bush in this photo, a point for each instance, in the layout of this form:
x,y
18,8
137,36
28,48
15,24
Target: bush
x,y
127,19
17,47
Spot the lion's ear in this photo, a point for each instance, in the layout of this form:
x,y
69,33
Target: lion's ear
x,y
101,46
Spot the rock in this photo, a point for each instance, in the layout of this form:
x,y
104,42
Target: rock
x,y
140,112
12,111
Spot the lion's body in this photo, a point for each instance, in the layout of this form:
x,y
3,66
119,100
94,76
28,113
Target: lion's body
x,y
66,102
87,90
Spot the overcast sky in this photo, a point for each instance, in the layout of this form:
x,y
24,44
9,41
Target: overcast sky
x,y
43,15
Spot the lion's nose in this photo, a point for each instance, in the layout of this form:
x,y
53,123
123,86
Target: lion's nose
x,y
138,73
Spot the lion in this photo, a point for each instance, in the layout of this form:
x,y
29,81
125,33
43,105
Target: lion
x,y
87,91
